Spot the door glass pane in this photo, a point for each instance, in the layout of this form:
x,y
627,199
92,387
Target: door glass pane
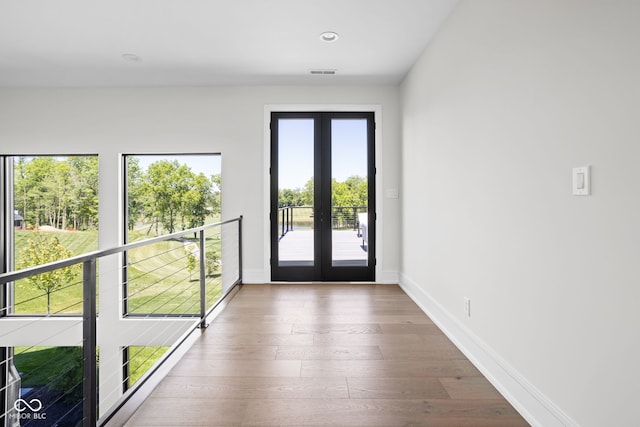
x,y
349,192
295,192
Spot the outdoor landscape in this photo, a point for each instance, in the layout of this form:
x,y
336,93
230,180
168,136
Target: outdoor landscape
x,y
56,217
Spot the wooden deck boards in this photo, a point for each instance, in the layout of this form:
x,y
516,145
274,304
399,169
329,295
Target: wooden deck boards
x,y
324,355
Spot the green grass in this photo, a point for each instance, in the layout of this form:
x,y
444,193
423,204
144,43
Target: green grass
x,y
55,367
61,367
159,283
158,279
67,300
78,242
141,359
302,217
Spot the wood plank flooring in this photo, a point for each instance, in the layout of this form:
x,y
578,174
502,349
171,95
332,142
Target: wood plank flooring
x,y
324,355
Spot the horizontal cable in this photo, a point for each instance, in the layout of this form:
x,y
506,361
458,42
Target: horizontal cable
x,y
16,275
131,310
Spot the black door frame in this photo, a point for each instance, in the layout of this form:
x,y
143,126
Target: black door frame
x,y
323,269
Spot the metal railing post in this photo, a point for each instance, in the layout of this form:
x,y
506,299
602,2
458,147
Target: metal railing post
x,y
89,341
288,209
292,208
355,217
203,282
240,249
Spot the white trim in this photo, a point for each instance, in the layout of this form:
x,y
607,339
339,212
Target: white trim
x,y
532,404
25,331
377,110
254,276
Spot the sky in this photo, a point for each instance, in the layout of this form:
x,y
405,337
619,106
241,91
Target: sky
x,y
295,150
349,152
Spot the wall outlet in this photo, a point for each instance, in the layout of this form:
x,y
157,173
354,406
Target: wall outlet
x,y
467,306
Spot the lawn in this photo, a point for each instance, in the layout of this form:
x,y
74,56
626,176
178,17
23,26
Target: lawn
x,y
159,283
66,300
55,375
57,367
60,368
141,359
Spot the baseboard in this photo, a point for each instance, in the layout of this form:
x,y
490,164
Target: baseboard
x,y
259,276
254,276
532,404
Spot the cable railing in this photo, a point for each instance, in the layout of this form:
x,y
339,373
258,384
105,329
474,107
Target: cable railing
x,y
73,366
301,217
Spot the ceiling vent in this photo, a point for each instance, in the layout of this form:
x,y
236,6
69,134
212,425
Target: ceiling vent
x,y
323,72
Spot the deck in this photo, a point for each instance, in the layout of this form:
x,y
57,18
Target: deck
x,y
296,248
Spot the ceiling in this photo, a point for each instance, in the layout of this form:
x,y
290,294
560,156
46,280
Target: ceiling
x,y
75,43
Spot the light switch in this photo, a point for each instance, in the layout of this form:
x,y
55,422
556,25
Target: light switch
x,y
392,193
582,181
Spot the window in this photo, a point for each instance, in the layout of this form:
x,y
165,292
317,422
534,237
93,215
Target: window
x,y
53,208
166,194
49,212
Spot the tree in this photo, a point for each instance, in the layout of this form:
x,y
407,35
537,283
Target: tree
x,y
20,188
212,262
351,192
216,188
59,192
41,249
83,212
191,260
307,193
178,196
37,186
167,181
136,200
289,197
196,200
60,185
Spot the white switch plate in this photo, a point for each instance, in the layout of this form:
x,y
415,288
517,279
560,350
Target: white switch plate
x,y
582,181
392,193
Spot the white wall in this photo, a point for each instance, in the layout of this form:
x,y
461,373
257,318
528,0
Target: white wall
x,y
499,108
229,120
226,120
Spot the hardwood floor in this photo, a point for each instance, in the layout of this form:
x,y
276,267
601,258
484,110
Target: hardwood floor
x,y
324,355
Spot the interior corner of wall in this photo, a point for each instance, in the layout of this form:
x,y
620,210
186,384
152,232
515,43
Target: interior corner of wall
x,y
532,404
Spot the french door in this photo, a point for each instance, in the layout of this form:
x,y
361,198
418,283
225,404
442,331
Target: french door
x,y
322,196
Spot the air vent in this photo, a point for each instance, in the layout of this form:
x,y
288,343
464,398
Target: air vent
x,y
323,72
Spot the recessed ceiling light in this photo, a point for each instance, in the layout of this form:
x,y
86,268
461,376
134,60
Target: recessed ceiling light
x,y
329,36
130,57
